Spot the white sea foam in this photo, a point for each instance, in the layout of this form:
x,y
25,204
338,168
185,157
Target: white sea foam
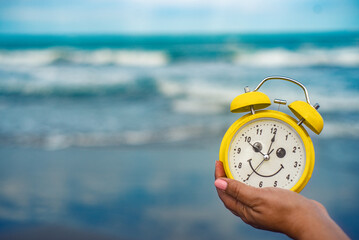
x,y
198,107
342,102
275,57
176,134
197,97
28,57
305,57
93,57
121,57
200,98
340,129
127,138
54,81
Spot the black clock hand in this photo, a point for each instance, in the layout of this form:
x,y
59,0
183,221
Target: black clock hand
x,y
266,156
272,141
270,152
256,148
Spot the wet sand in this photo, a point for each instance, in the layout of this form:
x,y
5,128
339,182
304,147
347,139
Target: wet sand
x,y
162,191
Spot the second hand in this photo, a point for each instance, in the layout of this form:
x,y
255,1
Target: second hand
x,y
259,165
266,156
255,169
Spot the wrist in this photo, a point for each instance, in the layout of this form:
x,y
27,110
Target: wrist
x,y
298,225
302,219
311,221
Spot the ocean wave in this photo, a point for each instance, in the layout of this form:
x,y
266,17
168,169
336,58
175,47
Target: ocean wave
x,y
186,96
145,137
43,57
197,97
304,57
123,87
260,57
203,106
340,130
201,98
126,138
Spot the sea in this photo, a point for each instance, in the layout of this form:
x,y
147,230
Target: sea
x,y
115,136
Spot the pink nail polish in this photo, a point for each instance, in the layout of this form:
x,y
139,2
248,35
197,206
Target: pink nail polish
x,y
221,184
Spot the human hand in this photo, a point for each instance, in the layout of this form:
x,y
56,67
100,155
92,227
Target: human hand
x,y
276,209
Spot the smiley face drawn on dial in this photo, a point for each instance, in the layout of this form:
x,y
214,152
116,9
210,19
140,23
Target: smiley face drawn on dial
x,y
271,175
267,153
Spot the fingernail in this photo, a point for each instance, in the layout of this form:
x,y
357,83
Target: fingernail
x,y
221,184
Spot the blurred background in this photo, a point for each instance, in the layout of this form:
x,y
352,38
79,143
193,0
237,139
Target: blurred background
x,y
112,112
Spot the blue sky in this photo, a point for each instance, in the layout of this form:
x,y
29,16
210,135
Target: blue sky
x,y
177,16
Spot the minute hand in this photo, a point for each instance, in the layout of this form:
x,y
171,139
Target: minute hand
x,y
272,141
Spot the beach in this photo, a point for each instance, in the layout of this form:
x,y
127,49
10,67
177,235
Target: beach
x,y
159,192
118,135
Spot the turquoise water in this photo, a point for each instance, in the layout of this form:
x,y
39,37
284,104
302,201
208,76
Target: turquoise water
x,y
118,134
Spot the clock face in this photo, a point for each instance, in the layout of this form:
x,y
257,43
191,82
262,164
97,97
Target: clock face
x,y
267,152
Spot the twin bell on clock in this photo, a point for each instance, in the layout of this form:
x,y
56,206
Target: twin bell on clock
x,y
267,148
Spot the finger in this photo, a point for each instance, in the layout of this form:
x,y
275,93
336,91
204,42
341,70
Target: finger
x,y
238,190
219,172
231,204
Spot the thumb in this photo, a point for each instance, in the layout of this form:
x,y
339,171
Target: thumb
x,y
238,190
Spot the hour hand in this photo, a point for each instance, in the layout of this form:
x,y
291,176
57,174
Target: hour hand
x,y
257,147
273,138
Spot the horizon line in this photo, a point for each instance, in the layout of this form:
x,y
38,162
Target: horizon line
x,y
209,33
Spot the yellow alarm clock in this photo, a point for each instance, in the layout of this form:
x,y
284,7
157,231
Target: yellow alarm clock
x,y
267,148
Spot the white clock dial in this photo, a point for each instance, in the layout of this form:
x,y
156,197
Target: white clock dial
x,y
267,152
